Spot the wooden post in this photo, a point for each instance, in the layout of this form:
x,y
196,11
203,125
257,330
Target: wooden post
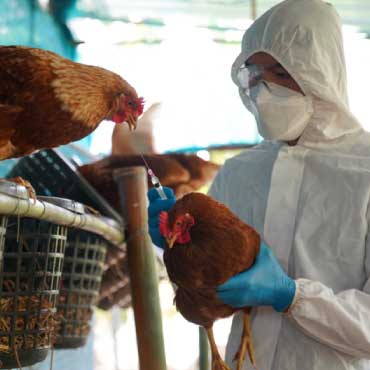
x,y
132,185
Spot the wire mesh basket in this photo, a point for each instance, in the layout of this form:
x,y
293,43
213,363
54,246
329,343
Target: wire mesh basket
x,y
83,268
82,272
115,286
33,252
10,189
3,225
60,178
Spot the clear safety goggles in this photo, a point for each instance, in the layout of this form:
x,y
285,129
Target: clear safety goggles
x,y
250,74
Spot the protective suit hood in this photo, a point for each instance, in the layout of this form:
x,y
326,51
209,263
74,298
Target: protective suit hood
x,y
305,37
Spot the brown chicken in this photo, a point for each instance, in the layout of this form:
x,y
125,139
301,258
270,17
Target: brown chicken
x,y
182,172
201,172
206,245
47,100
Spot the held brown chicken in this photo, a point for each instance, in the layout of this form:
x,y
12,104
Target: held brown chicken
x,y
172,170
206,245
47,100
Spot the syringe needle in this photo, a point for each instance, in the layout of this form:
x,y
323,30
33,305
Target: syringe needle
x,y
145,162
154,180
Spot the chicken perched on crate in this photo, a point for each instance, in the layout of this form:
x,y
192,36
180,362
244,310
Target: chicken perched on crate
x,y
182,172
47,100
206,244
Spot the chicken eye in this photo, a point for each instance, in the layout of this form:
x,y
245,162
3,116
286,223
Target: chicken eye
x,y
131,104
178,223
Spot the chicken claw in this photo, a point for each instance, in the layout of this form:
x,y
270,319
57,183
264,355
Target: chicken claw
x,y
217,362
31,191
246,344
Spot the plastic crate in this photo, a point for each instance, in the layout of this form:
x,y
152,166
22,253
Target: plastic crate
x,y
52,174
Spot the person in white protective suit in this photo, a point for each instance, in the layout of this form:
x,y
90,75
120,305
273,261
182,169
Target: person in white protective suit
x,y
306,190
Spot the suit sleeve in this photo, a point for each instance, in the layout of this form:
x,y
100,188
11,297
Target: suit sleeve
x,y
340,320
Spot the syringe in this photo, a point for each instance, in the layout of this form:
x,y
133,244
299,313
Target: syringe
x,y
154,180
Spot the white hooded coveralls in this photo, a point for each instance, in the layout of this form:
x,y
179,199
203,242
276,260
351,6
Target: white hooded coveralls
x,y
309,202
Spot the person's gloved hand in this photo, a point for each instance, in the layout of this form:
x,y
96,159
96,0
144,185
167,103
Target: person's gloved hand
x,y
264,284
156,206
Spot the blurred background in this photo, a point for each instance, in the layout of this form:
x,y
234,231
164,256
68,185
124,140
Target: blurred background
x,y
178,55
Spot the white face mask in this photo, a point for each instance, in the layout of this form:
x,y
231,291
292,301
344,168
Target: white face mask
x,y
281,113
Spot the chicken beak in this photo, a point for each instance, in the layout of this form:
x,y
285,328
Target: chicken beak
x,y
132,122
171,240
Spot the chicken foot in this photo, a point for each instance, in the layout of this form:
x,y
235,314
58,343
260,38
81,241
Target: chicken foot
x,y
217,362
246,344
19,180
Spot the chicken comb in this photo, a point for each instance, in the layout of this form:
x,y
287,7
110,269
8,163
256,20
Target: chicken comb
x,y
163,224
140,103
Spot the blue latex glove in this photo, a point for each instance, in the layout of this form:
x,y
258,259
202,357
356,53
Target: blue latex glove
x,y
156,206
264,284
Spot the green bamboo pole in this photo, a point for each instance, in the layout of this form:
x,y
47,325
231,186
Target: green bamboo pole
x,y
203,350
132,185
